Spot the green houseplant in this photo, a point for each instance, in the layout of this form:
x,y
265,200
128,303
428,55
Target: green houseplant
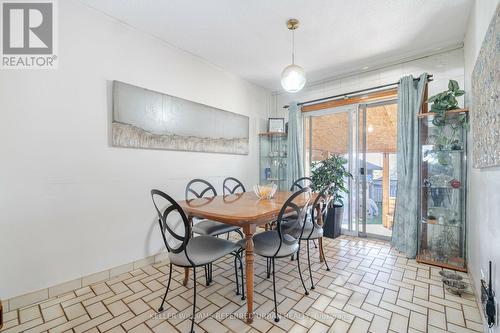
x,y
441,103
332,172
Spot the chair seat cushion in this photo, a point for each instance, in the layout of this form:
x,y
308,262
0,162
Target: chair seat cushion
x,y
212,228
294,230
266,244
203,250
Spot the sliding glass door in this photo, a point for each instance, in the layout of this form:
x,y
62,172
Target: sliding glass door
x,y
365,135
377,171
334,131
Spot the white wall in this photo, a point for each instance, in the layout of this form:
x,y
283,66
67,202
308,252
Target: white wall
x,y
72,205
444,66
484,184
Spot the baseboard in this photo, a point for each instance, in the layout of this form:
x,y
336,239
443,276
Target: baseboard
x,y
41,295
477,294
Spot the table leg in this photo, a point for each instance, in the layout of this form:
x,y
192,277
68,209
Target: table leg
x,y
249,231
320,245
186,277
186,269
320,241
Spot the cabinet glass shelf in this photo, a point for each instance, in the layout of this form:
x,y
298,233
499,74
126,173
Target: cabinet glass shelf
x,y
441,187
273,151
443,151
447,225
441,231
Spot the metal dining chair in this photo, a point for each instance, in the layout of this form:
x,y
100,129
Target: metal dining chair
x,y
232,185
200,188
300,183
187,251
309,229
275,243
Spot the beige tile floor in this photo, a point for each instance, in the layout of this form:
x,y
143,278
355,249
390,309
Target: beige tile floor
x,y
371,288
379,230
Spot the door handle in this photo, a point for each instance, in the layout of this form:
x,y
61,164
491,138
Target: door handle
x,y
362,171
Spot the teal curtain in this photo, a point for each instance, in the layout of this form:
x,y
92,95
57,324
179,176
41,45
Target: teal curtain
x,y
294,161
404,230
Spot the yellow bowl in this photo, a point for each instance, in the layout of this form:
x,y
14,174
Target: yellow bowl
x,y
265,191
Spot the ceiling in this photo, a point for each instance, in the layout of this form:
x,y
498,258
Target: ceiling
x,y
250,39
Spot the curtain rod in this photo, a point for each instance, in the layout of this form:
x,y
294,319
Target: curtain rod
x,y
345,95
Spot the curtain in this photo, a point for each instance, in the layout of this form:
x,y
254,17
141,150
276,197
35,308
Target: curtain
x,y
294,161
410,99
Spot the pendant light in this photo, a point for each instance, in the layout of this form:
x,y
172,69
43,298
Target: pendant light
x,y
293,77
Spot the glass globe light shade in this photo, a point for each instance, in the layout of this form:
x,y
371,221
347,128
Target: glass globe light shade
x,y
293,78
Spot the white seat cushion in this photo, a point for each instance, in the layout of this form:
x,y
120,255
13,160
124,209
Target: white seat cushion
x,y
212,228
203,250
294,230
266,244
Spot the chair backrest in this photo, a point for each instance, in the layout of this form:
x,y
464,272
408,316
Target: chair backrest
x,y
199,188
300,183
319,208
174,224
297,204
232,185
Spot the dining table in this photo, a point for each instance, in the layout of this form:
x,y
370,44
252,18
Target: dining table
x,y
247,211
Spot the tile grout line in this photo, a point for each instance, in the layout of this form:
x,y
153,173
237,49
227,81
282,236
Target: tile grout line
x,y
352,279
156,258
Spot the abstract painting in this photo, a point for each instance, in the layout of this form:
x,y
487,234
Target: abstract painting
x,y
485,103
144,118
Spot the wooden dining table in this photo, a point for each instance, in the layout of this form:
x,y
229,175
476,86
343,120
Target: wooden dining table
x,y
247,211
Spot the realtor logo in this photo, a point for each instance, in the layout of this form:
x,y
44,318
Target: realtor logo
x,y
28,34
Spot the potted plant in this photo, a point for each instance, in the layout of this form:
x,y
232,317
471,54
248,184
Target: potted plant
x,y
331,172
441,103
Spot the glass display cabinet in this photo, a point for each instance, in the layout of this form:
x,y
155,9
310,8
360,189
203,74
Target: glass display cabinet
x,y
273,153
443,151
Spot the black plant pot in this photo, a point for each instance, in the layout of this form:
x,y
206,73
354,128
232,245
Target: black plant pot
x,y
333,221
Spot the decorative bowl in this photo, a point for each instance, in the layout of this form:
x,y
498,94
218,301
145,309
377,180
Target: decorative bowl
x,y
265,191
450,275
